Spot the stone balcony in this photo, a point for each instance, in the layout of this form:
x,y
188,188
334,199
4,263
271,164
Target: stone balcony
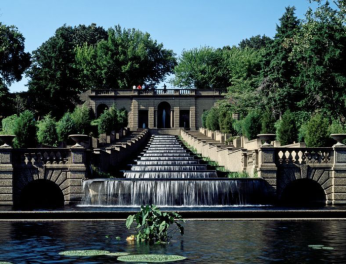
x,y
157,92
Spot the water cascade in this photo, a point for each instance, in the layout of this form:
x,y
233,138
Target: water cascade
x,y
167,174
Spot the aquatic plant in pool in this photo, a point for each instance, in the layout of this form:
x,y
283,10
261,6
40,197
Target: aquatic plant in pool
x,y
153,225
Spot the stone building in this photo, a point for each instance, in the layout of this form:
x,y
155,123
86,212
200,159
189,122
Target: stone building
x,y
156,109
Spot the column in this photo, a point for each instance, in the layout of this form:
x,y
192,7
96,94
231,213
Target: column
x,y
338,190
134,110
76,174
267,168
172,118
176,116
151,116
6,176
193,117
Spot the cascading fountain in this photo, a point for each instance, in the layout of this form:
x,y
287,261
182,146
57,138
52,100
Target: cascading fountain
x,y
167,174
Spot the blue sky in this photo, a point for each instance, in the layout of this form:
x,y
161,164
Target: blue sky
x,y
178,24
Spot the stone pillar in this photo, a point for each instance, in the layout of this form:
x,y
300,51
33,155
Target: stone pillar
x,y
338,192
172,118
176,116
134,111
155,125
151,117
76,175
193,117
267,168
6,176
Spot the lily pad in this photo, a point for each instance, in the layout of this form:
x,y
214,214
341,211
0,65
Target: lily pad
x,y
328,248
153,258
84,253
118,254
4,262
316,246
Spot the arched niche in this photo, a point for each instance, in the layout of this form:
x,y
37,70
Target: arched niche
x,y
164,115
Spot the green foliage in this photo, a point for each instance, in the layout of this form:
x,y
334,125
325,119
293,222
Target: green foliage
x,y
122,117
54,76
108,121
81,117
46,133
287,131
9,124
256,42
152,224
252,125
317,134
204,118
212,121
238,127
267,122
25,130
235,175
65,127
202,68
225,119
128,57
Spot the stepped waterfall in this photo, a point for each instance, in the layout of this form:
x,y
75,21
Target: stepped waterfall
x,y
167,174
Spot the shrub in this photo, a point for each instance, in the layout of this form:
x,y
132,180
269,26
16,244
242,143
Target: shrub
x,y
213,119
8,125
204,118
108,121
152,224
226,121
81,117
238,127
337,128
46,133
122,117
251,125
65,127
267,122
25,130
287,131
317,134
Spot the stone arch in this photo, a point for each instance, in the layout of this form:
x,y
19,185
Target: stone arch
x,y
36,178
100,109
316,182
164,115
41,194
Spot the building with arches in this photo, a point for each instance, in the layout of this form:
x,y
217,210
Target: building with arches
x,y
156,109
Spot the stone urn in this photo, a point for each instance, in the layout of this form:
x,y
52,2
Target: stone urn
x,y
78,138
7,139
339,138
267,138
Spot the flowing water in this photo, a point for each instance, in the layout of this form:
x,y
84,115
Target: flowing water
x,y
167,174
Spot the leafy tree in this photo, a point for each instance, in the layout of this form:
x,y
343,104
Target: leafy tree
x,y
256,42
251,125
81,117
65,127
13,62
25,130
46,133
268,122
212,121
128,57
278,70
8,125
54,76
122,117
320,51
202,68
225,118
317,134
287,131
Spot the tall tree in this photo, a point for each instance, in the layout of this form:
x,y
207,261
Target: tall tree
x,y
278,70
202,68
13,62
54,78
128,57
256,42
320,51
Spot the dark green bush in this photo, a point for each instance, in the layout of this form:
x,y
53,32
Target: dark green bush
x,y
267,122
317,132
287,131
8,125
81,117
204,118
46,133
251,125
25,130
122,118
108,121
213,119
65,127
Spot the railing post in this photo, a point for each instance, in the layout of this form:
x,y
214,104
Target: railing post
x,y
267,168
6,176
338,195
77,173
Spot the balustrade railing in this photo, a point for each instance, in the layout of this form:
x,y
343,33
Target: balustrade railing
x,y
128,92
41,156
285,156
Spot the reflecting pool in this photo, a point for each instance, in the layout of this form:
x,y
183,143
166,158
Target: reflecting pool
x,y
203,242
